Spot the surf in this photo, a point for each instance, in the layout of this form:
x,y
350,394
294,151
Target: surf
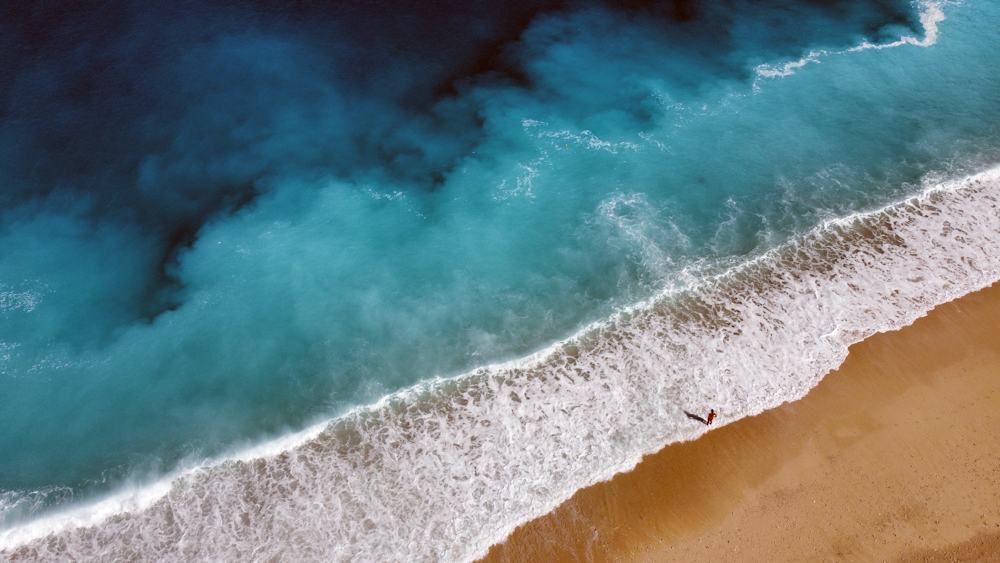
x,y
735,305
444,469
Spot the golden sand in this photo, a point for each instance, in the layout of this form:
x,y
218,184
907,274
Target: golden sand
x,y
895,456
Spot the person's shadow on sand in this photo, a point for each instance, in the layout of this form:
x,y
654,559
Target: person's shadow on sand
x,y
708,422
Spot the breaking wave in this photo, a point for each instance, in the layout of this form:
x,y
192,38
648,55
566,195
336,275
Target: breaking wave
x,y
444,469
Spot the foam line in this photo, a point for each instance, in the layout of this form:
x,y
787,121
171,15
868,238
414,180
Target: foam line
x,y
789,69
930,16
442,470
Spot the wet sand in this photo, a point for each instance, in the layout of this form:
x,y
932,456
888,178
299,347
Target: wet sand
x,y
893,457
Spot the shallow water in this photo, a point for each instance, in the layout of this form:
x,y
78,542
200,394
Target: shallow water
x,y
527,239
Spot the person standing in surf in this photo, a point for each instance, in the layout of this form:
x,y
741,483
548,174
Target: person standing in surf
x,y
711,417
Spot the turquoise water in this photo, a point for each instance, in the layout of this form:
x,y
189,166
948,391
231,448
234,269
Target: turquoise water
x,y
220,225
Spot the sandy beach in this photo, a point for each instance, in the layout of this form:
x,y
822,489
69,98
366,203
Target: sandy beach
x,y
892,457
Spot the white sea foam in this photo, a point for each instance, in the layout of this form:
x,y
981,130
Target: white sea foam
x,y
789,68
440,471
931,15
12,300
138,495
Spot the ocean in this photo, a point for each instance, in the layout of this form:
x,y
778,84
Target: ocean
x,y
375,281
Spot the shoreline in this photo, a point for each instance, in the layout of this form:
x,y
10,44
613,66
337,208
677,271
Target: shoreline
x,y
892,457
784,301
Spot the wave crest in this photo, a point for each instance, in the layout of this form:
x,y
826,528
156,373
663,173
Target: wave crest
x,y
441,471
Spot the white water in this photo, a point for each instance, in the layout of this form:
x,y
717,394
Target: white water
x,y
930,16
441,471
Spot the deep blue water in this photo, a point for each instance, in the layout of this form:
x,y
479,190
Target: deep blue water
x,y
220,221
